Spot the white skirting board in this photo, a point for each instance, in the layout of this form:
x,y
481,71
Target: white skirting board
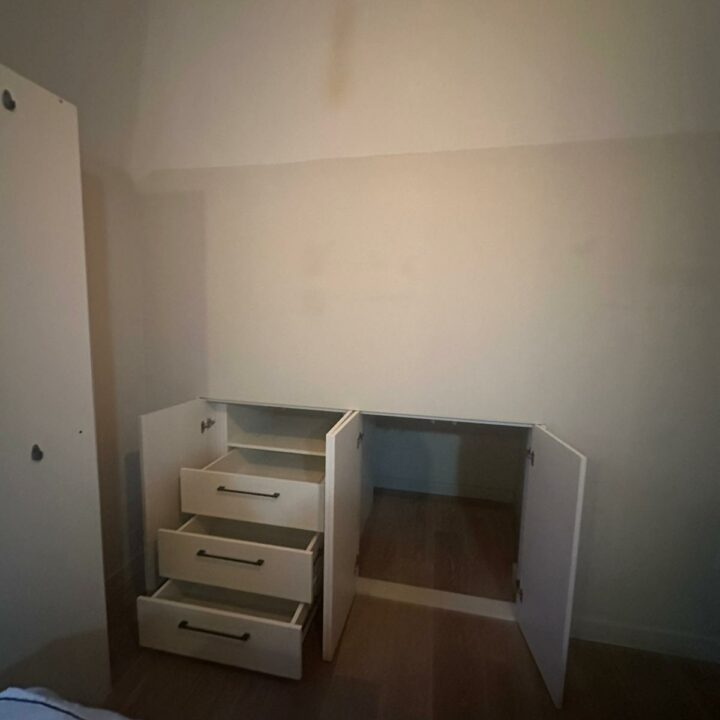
x,y
652,639
497,609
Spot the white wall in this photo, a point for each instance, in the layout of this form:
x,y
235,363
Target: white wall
x,y
515,219
230,83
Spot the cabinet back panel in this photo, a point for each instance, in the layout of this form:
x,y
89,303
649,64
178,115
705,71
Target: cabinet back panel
x,y
445,458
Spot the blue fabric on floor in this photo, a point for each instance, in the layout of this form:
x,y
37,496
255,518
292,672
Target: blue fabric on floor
x,y
43,704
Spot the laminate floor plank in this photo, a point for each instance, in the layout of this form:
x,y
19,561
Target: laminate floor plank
x,y
461,545
405,662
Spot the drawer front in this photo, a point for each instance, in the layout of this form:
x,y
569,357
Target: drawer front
x,y
260,500
253,567
251,643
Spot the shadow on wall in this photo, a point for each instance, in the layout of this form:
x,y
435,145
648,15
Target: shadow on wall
x,y
112,502
339,66
133,500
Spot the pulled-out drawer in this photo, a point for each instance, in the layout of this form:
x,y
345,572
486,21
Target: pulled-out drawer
x,y
226,626
277,492
264,559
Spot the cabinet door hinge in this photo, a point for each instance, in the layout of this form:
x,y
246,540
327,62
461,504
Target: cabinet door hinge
x,y
531,456
207,424
360,438
518,590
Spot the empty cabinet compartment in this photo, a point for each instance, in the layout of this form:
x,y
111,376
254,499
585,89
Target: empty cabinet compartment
x,y
286,430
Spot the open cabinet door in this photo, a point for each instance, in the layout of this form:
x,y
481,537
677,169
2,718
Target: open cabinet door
x,y
171,439
549,535
342,526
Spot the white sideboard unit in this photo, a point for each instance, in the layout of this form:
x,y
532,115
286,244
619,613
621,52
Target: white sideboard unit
x,y
253,515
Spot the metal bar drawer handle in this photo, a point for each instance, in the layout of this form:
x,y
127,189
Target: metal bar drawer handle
x,y
185,625
274,495
204,553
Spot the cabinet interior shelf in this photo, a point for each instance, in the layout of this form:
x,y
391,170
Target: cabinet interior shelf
x,y
271,465
273,443
279,430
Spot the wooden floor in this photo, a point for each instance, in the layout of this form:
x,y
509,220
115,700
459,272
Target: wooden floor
x,y
456,544
406,662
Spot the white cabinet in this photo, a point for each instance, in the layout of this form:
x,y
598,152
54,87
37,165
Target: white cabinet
x,y
52,601
276,496
265,487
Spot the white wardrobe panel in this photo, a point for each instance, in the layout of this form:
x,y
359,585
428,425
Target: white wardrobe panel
x,y
52,603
